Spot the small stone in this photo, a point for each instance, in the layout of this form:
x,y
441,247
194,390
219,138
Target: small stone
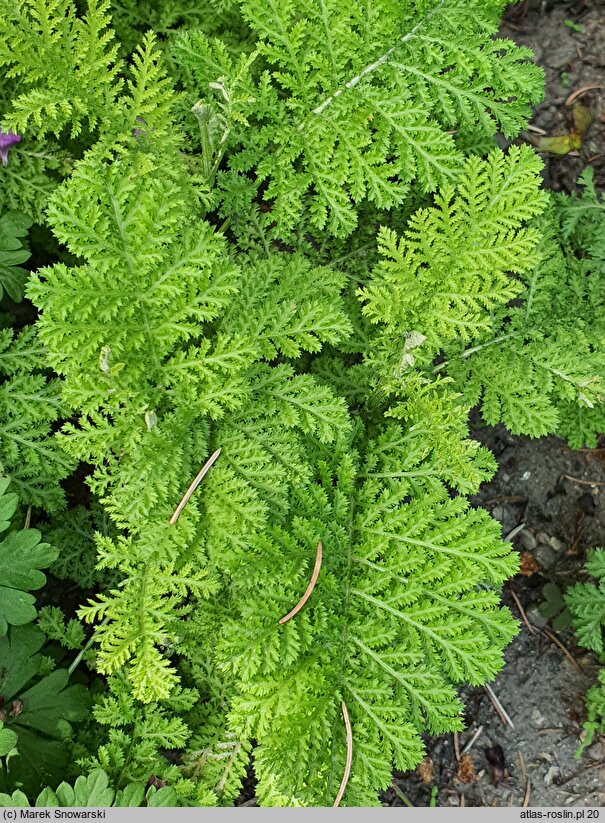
x,y
556,544
545,556
525,475
542,537
550,775
505,477
498,513
535,618
537,718
527,540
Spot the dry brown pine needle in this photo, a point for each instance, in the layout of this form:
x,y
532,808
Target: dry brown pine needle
x,y
310,587
349,759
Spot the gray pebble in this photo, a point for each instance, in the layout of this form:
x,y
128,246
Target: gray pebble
x,y
527,540
498,513
545,556
535,618
557,544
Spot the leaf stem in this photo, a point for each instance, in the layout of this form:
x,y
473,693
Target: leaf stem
x,y
467,352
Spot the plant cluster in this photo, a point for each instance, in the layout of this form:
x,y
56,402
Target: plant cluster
x,y
587,604
287,251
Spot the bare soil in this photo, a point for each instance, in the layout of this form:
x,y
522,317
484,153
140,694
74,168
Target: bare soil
x,y
552,501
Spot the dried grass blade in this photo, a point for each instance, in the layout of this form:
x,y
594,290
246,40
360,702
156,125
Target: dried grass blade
x,y
349,760
310,587
193,487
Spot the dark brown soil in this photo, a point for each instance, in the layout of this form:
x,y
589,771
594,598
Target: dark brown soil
x,y
543,494
568,41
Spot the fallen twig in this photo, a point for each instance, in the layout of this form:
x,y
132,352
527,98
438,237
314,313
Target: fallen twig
x,y
456,748
402,796
505,498
527,793
522,763
565,651
581,91
515,531
499,707
193,487
535,129
310,587
598,764
530,628
349,760
584,482
28,517
470,743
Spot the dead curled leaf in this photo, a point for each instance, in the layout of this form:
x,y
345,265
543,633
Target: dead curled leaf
x,y
528,564
564,143
466,770
575,95
424,770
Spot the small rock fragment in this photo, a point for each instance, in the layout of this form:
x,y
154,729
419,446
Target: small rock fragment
x,y
527,540
498,513
550,775
535,618
556,544
545,556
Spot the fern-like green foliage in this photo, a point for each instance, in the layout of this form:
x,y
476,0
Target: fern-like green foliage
x,y
587,604
541,368
74,531
338,103
314,376
29,401
514,315
30,405
396,619
65,64
13,227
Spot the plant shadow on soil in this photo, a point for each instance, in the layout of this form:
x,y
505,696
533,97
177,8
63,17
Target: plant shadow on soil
x,y
543,683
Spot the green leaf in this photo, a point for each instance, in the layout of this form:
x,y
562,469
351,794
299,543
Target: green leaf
x,y
22,555
93,790
40,709
13,226
8,740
